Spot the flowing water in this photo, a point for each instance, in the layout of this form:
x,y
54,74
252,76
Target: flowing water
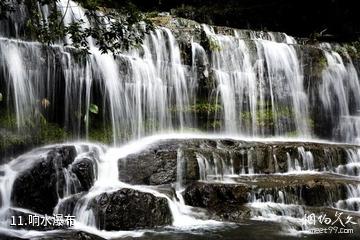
x,y
257,87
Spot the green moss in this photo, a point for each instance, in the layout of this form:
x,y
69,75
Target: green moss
x,y
311,123
214,44
8,121
319,63
265,117
349,49
201,107
51,133
322,63
103,135
216,124
10,139
152,14
204,108
39,132
292,134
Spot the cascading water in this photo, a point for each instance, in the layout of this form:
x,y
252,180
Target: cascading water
x,y
259,86
254,84
140,99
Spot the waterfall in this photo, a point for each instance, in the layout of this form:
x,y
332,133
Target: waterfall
x,y
139,99
262,101
254,84
19,78
339,93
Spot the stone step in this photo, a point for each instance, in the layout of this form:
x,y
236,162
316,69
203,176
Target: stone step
x,y
203,158
286,180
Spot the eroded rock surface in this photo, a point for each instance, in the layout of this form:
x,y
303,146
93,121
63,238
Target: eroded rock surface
x,y
130,209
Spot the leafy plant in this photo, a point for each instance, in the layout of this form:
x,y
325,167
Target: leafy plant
x,y
112,30
94,109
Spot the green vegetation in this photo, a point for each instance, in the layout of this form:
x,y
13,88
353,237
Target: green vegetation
x,y
115,30
51,133
216,124
8,121
204,108
292,134
214,44
266,118
33,133
319,63
94,109
103,135
200,107
351,49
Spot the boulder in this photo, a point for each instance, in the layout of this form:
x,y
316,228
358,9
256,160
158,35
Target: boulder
x,y
86,170
67,205
210,195
158,164
39,187
130,209
224,202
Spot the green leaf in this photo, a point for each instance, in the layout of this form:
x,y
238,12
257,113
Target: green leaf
x,y
1,97
94,109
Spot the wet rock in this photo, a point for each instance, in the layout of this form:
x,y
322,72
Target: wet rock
x,y
37,188
3,236
230,213
86,170
130,209
306,189
52,176
58,235
158,165
209,195
67,205
71,235
323,194
224,202
13,144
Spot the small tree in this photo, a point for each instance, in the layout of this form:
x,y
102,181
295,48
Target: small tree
x,y
113,30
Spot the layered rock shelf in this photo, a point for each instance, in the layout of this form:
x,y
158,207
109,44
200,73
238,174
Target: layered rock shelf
x,y
225,179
